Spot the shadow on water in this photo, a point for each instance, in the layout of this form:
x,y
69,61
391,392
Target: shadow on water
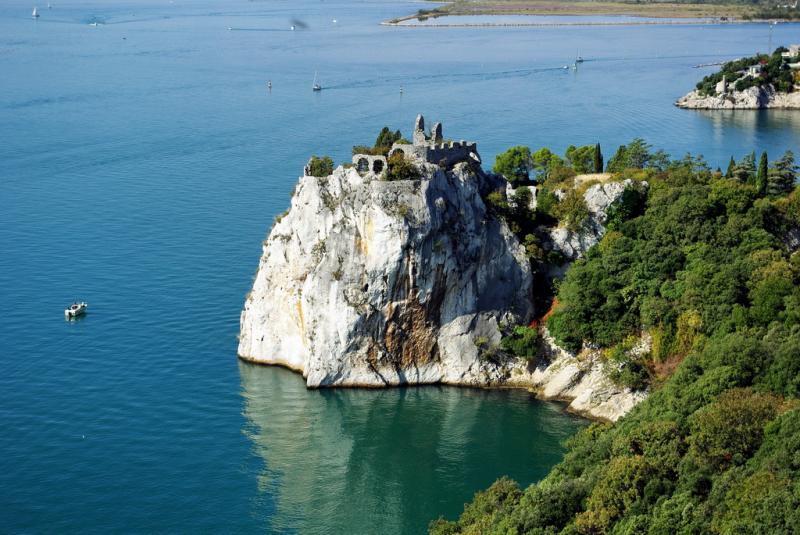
x,y
348,460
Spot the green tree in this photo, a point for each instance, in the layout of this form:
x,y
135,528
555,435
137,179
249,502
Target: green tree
x,y
572,211
598,159
580,158
731,429
320,166
782,176
515,164
636,155
761,177
731,167
745,171
544,162
386,138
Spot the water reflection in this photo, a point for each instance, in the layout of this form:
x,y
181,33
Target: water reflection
x,y
350,461
754,127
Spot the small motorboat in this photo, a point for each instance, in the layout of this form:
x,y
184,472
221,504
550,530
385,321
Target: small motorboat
x,y
76,309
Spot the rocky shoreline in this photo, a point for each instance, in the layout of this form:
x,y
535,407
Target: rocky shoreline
x,y
753,98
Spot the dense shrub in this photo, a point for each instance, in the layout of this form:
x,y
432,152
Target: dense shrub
x,y
400,168
320,166
522,342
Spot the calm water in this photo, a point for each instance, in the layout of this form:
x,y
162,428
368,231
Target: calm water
x,y
141,164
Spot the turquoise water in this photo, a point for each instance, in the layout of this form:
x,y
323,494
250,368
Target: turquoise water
x,y
141,164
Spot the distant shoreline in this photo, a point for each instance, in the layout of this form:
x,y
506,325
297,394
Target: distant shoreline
x,y
404,22
663,13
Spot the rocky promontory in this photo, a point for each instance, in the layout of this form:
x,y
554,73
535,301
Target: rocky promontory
x,y
371,282
752,98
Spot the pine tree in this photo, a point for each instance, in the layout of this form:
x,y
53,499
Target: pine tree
x,y
598,159
731,167
745,171
761,178
782,176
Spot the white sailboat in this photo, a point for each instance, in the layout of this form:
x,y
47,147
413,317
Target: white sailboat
x,y
35,13
316,86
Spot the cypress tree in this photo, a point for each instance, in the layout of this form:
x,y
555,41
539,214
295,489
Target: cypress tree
x,y
598,159
731,167
761,178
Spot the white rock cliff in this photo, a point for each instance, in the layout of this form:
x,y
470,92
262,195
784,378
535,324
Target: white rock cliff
x,y
752,98
369,282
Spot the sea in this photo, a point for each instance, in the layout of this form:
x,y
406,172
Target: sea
x,y
143,159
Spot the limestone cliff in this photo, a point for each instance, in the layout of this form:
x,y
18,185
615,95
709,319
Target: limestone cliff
x,y
374,282
579,380
368,282
752,98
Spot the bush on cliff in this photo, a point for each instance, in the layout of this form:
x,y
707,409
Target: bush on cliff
x,y
320,166
523,342
401,169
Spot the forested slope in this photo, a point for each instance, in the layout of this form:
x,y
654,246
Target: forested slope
x,y
706,264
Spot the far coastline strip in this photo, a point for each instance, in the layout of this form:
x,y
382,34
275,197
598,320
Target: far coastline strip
x,y
405,23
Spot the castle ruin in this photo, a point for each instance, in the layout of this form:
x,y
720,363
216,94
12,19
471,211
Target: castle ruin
x,y
425,147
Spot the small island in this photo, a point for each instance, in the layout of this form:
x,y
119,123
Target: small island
x,y
757,82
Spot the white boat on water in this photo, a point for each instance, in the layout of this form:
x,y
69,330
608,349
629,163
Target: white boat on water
x,y
316,86
35,13
76,309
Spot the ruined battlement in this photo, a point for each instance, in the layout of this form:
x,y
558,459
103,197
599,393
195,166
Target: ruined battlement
x,y
428,147
431,147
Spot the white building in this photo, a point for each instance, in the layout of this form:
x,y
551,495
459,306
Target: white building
x,y
794,51
754,70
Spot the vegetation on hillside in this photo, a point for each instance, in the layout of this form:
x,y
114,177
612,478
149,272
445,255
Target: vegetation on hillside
x,y
775,71
708,266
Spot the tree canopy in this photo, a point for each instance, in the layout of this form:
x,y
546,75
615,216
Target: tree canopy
x,y
515,164
702,264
